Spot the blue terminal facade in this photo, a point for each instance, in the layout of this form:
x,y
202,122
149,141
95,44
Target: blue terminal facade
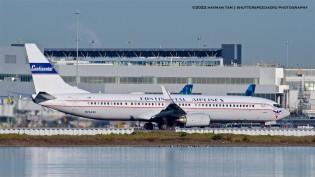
x,y
230,53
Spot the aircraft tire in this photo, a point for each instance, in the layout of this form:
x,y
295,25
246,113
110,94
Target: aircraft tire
x,y
148,126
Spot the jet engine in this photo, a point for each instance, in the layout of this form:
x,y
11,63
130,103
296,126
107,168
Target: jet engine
x,y
195,120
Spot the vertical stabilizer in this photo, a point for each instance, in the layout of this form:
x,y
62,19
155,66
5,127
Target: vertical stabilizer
x,y
250,90
187,90
45,77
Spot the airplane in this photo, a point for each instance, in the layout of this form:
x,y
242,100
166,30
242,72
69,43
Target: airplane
x,y
250,90
165,110
187,89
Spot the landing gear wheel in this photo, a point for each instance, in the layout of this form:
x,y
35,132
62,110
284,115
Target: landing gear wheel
x,y
163,126
148,126
166,124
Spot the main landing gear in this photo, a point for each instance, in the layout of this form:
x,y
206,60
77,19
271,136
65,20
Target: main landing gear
x,y
163,124
148,126
166,125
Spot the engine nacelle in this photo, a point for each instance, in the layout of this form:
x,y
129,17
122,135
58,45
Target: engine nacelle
x,y
195,119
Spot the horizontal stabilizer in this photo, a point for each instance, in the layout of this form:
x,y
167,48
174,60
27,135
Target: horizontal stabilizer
x,y
42,96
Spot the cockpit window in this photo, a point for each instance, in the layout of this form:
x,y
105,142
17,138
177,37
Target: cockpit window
x,y
277,105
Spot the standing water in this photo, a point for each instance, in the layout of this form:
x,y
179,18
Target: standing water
x,y
156,161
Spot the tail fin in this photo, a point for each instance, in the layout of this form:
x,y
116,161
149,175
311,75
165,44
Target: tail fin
x,y
45,77
187,90
250,90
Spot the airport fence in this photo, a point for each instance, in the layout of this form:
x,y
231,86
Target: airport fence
x,y
251,131
65,131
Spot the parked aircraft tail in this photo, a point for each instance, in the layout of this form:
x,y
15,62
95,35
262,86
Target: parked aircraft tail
x,y
250,90
187,90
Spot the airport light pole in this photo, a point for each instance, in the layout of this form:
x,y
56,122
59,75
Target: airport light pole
x,y
76,13
287,53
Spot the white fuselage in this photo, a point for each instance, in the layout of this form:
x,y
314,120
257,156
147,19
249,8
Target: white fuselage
x,y
145,106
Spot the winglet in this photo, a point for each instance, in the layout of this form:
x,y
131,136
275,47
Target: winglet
x,y
166,94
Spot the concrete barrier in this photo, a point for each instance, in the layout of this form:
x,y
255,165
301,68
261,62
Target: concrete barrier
x,y
252,131
65,131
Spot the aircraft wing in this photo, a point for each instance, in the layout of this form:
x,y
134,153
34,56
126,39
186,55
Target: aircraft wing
x,y
171,110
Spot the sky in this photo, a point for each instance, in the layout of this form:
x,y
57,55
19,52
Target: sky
x,y
167,24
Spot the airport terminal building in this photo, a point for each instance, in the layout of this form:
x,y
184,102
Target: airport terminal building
x,y
216,71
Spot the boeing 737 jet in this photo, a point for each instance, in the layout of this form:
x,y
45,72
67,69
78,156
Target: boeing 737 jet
x,y
165,110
